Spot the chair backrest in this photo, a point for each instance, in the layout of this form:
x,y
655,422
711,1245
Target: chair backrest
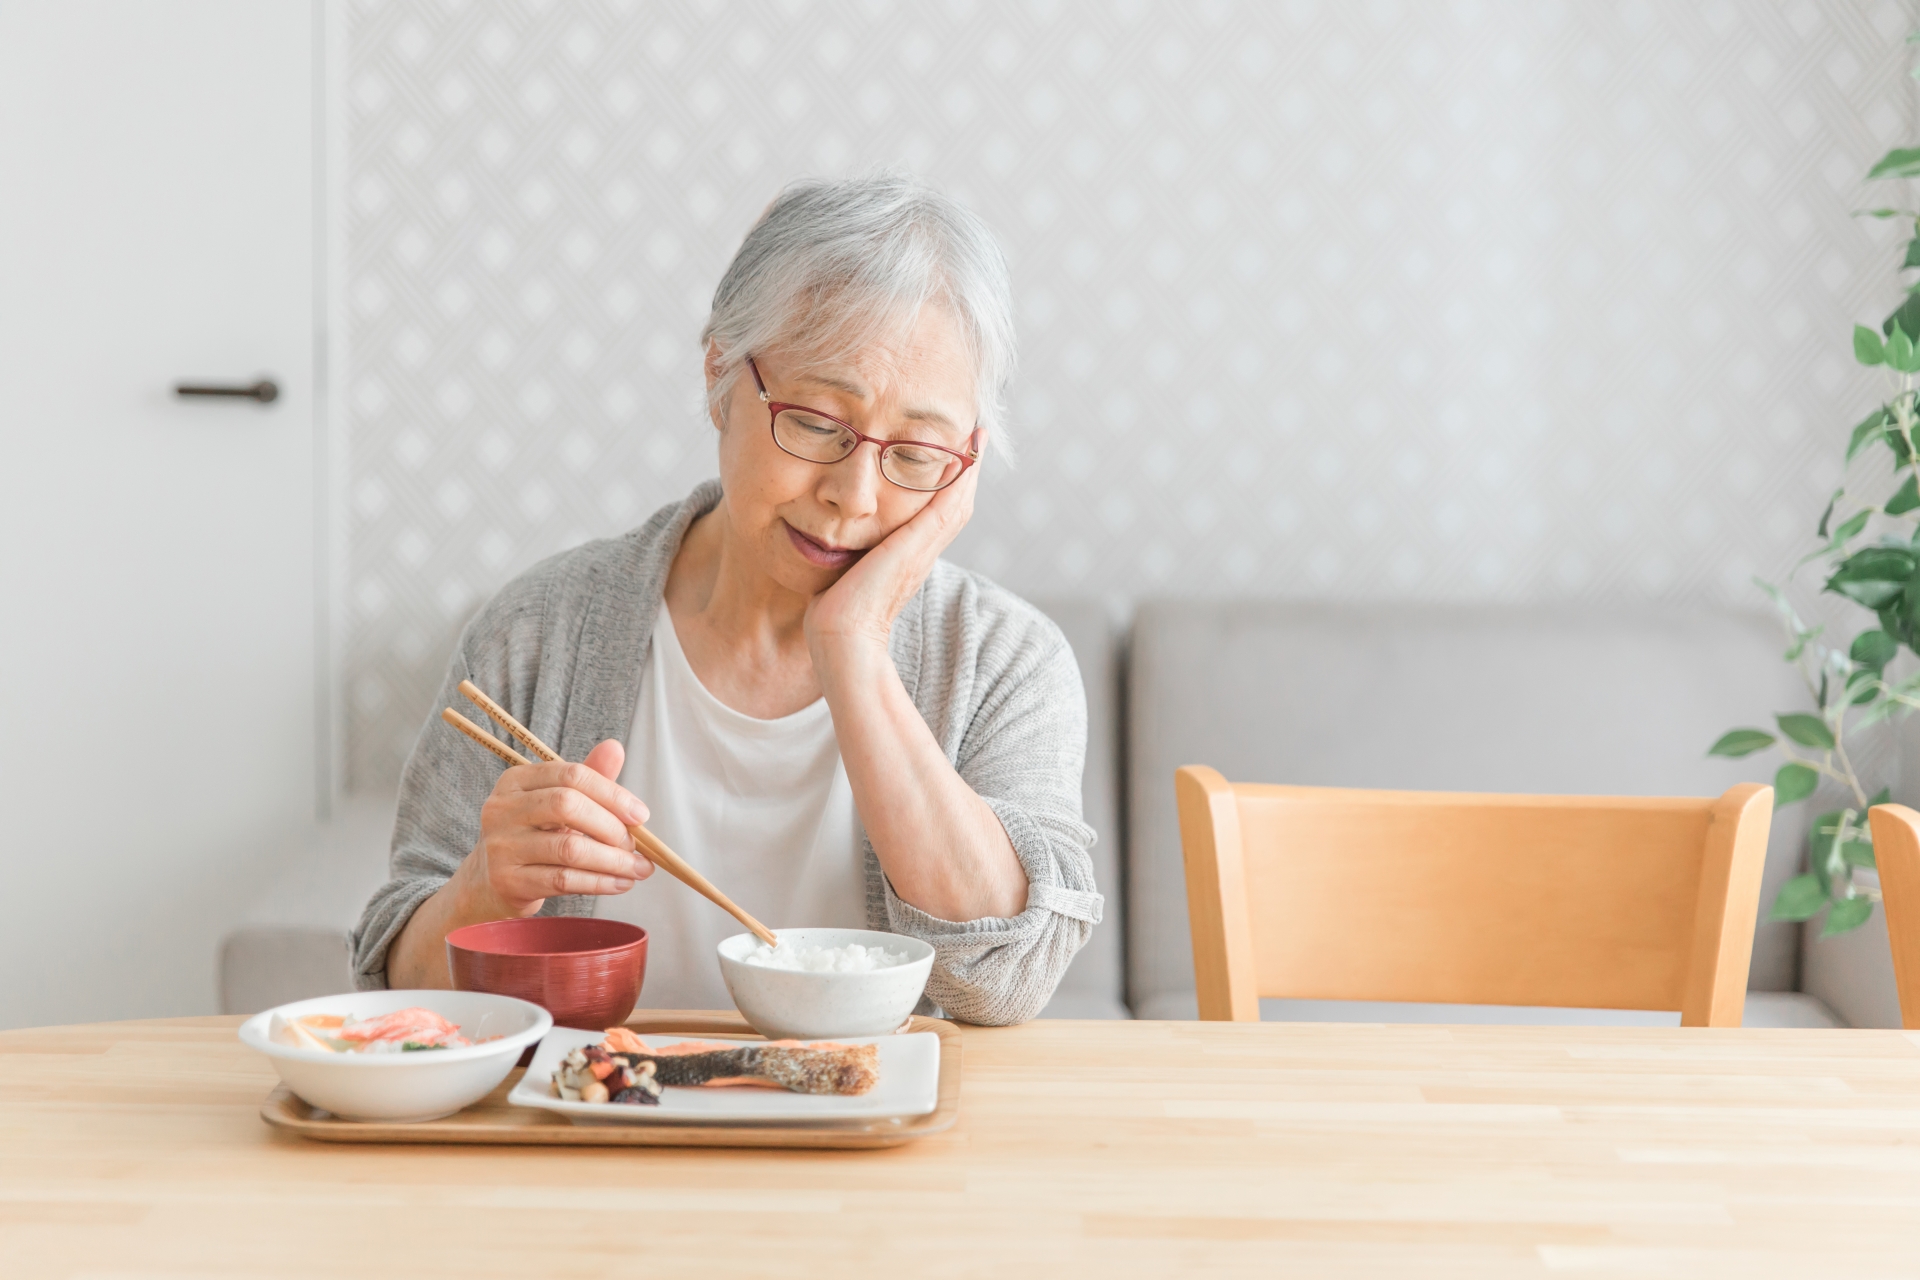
x,y
1896,854
1612,701
1576,901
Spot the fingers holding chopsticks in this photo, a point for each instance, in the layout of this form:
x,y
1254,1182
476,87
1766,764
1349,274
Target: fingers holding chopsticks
x,y
558,828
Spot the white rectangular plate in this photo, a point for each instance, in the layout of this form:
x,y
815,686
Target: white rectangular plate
x,y
909,1086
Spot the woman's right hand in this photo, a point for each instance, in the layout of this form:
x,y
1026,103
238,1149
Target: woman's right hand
x,y
551,829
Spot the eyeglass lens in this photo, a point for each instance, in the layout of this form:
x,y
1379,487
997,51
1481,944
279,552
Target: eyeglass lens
x,y
911,466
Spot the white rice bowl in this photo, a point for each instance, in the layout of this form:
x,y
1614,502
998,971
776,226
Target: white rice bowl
x,y
402,1087
817,987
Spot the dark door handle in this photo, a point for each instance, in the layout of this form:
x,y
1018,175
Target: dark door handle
x,y
266,391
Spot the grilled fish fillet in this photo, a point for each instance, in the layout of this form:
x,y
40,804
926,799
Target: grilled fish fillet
x,y
781,1064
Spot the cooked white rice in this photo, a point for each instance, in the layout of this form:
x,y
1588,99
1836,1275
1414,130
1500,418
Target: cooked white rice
x,y
852,958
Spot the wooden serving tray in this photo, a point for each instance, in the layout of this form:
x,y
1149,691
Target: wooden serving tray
x,y
494,1120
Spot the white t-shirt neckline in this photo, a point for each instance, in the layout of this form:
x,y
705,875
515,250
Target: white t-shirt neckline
x,y
666,640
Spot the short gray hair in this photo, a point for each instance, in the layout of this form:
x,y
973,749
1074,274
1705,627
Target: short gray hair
x,y
834,267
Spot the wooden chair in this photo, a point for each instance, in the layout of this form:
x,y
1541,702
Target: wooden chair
x,y
1896,852
1581,902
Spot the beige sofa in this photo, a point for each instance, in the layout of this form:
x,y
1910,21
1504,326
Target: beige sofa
x,y
1483,698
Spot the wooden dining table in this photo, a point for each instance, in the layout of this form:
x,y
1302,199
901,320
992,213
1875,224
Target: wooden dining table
x,y
1082,1149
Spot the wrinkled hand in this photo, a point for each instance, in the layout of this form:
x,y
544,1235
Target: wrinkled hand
x,y
862,605
555,828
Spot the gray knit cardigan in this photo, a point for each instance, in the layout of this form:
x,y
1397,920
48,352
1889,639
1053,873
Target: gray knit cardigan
x,y
562,648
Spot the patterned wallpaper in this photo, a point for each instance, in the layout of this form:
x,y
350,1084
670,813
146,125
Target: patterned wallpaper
x,y
1368,299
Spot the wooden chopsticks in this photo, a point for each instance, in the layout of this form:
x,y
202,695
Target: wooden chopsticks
x,y
649,843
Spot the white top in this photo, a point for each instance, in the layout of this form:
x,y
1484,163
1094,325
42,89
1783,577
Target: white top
x,y
761,807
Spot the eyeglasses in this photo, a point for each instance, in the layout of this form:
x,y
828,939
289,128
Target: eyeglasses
x,y
820,437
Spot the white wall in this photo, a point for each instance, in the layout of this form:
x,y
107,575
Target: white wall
x,y
1507,300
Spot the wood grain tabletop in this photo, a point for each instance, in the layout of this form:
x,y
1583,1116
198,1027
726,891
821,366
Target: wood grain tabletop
x,y
1082,1149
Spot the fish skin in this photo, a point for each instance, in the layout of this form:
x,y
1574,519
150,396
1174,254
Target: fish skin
x,y
821,1070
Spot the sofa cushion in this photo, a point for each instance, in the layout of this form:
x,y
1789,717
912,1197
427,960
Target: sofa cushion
x,y
1621,702
262,966
293,940
1095,983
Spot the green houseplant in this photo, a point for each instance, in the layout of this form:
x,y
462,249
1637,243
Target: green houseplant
x,y
1878,569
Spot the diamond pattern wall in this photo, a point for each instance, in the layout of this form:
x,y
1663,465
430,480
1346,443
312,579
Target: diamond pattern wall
x,y
1491,300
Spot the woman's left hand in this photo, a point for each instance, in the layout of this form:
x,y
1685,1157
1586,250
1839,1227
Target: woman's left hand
x,y
862,605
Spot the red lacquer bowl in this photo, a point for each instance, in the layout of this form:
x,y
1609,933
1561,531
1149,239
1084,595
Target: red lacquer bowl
x,y
585,972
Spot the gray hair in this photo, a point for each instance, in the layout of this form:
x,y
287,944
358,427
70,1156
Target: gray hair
x,y
832,268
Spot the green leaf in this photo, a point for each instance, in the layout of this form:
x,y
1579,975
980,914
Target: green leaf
x,y
1873,576
1820,530
1865,431
1879,213
1890,622
1849,529
1901,162
1794,782
1741,742
1883,796
1863,685
1906,315
1847,915
1899,349
1873,649
1858,853
1871,594
1867,347
1821,553
1913,254
1807,730
1799,899
1897,446
1905,498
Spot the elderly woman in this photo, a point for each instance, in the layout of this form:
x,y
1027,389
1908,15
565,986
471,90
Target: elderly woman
x,y
778,674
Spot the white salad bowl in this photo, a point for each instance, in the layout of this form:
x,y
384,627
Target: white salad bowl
x,y
403,1087
788,1004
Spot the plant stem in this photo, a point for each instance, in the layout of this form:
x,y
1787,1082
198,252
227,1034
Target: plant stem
x,y
1852,779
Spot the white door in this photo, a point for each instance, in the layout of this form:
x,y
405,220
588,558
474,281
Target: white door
x,y
157,554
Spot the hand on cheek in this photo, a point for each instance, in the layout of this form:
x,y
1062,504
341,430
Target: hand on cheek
x,y
864,602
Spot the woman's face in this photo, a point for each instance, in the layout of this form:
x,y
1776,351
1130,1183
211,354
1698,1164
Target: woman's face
x,y
805,523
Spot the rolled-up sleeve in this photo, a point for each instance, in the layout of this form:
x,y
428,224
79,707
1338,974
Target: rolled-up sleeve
x,y
1023,754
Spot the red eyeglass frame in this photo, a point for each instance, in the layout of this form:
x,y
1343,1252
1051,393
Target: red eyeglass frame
x,y
776,407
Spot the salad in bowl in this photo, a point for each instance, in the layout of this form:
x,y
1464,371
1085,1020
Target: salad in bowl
x,y
396,1055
